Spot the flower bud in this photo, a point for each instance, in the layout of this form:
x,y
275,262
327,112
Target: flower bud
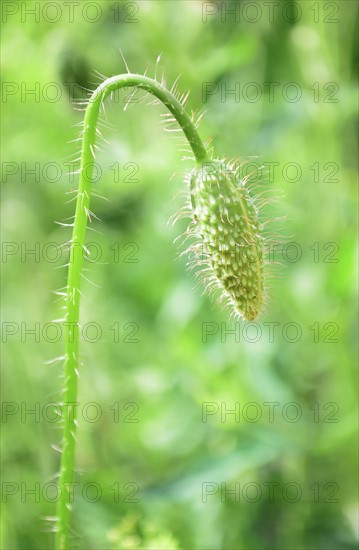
x,y
225,222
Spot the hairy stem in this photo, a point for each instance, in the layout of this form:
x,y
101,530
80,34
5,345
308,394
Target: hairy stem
x,y
75,266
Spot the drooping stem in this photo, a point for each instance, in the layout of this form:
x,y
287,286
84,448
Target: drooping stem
x,y
62,541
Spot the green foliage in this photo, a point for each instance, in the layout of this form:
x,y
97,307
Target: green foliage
x,y
130,535
183,357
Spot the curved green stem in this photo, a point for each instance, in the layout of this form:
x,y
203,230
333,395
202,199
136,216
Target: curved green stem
x,y
75,267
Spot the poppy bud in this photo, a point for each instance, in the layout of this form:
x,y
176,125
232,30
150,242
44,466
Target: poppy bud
x,y
226,225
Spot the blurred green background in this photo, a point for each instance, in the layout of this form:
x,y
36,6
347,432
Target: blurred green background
x,y
156,351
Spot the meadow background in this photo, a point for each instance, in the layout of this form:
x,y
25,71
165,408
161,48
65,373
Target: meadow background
x,y
161,462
